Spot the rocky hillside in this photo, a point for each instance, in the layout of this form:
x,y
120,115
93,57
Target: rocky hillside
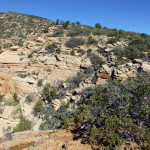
x,y
15,27
61,71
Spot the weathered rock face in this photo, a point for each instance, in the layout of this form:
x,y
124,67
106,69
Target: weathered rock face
x,y
122,72
8,57
44,140
8,86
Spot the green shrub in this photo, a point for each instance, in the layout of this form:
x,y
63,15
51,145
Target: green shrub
x,y
137,48
72,53
58,33
23,125
67,105
112,41
15,97
49,93
1,97
50,48
75,81
98,25
38,106
117,34
98,32
30,97
81,51
96,61
78,31
114,113
30,55
91,41
66,24
74,42
39,83
57,22
67,122
78,23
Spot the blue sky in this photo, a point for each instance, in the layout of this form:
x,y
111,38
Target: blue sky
x,y
130,15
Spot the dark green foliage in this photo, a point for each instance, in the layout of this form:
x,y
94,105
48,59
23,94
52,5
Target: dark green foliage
x,y
78,31
74,42
98,25
40,81
66,24
96,61
30,97
1,97
144,35
50,48
58,33
98,32
67,105
72,53
49,93
38,106
15,97
23,125
57,22
112,41
136,48
81,51
30,55
117,34
75,81
91,41
114,113
119,53
78,23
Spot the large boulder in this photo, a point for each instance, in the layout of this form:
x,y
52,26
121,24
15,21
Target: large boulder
x,y
146,66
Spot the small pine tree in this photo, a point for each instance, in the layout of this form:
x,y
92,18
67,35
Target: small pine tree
x,y
57,22
66,24
23,125
78,23
98,25
72,53
38,106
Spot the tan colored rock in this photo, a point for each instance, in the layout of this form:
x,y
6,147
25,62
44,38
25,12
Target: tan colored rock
x,y
107,69
85,64
40,40
146,66
103,75
8,57
32,37
56,104
14,48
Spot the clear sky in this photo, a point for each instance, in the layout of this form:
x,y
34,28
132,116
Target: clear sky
x,y
129,15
